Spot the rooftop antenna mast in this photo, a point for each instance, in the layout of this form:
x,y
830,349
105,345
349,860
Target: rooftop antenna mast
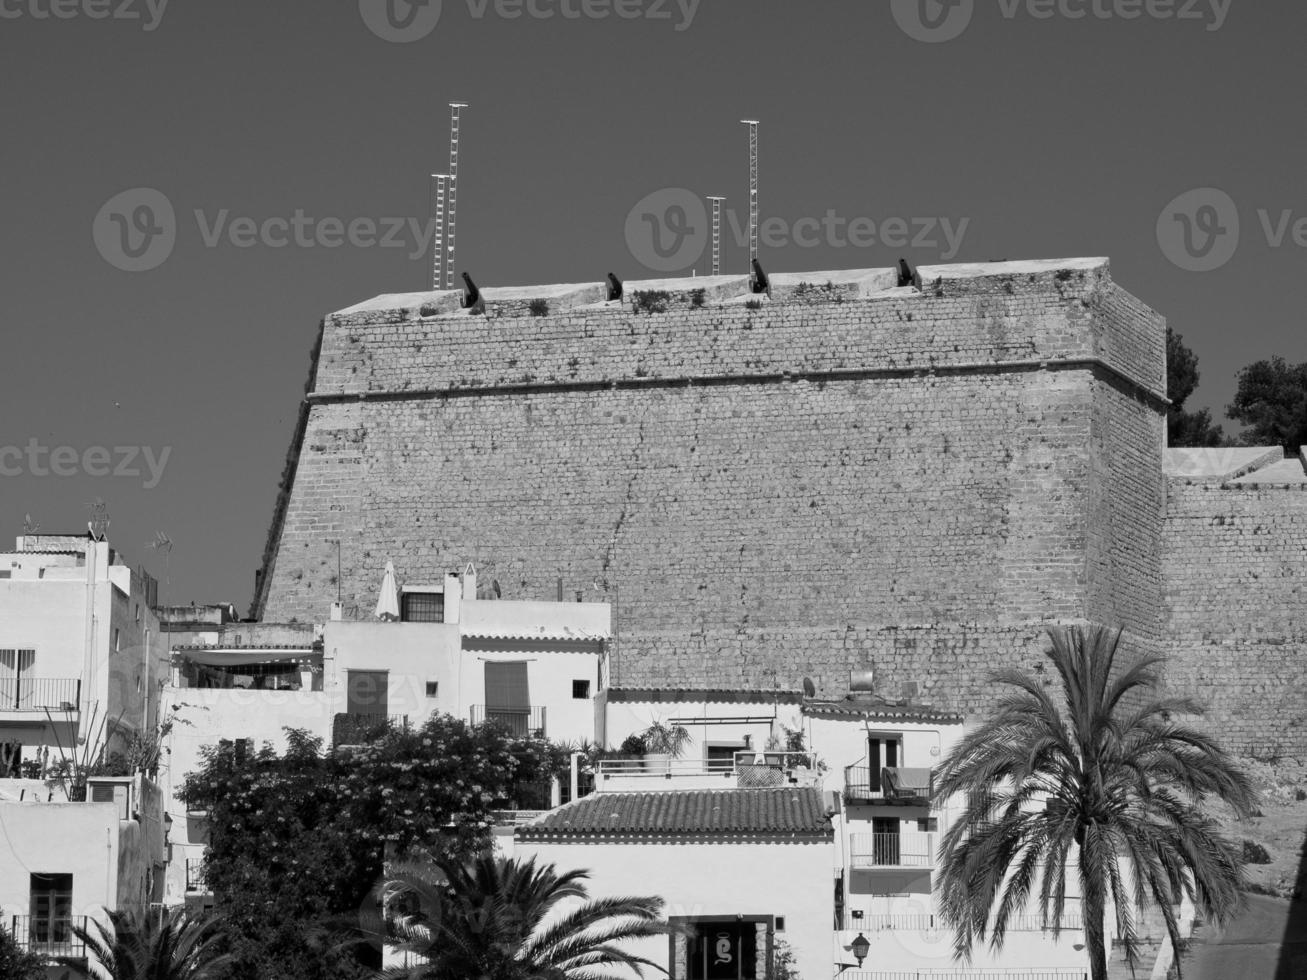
x,y
454,108
717,235
441,183
753,191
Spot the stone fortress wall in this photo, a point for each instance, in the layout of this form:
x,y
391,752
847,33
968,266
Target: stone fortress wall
x,y
845,474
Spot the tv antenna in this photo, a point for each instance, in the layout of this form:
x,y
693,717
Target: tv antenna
x,y
98,525
454,108
440,184
163,543
717,235
753,190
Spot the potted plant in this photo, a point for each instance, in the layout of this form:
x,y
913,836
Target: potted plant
x,y
663,743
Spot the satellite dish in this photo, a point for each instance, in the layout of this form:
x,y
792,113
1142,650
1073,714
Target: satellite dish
x,y
809,688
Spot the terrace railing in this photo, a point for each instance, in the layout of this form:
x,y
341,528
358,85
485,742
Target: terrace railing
x,y
37,694
521,722
892,850
50,936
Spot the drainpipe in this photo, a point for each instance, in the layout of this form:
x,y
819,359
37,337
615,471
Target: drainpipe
x,y
110,899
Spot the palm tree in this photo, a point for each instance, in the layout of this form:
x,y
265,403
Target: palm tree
x,y
491,919
1107,771
171,945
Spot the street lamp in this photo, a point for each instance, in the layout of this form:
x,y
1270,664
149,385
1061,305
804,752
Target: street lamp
x,y
861,947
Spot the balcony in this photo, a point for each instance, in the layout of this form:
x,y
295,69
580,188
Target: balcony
x,y
36,695
520,722
356,729
747,770
892,851
51,937
924,923
197,876
892,785
890,922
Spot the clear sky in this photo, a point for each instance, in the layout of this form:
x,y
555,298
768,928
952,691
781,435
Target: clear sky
x,y
1049,134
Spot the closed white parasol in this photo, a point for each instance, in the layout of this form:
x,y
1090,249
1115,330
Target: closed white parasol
x,y
388,601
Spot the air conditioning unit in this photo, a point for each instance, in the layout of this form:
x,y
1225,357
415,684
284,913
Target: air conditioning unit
x,y
119,793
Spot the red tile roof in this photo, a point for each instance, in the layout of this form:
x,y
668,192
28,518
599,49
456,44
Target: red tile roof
x,y
787,812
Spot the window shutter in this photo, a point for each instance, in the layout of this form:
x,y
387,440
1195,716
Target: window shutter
x,y
506,686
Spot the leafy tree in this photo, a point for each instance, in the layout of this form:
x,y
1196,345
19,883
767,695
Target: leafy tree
x,y
1106,772
172,946
16,963
297,841
487,919
1185,428
1271,401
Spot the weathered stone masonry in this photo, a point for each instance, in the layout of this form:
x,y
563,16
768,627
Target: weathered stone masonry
x,y
846,476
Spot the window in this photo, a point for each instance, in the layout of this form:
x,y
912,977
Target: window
x,y
580,690
422,607
433,689
51,907
720,757
117,639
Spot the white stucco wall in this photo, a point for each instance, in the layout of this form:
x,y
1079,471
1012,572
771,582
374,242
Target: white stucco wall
x,y
723,878
413,654
81,839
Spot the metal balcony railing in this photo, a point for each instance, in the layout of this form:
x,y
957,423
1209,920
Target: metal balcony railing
x,y
197,876
50,936
892,850
37,694
521,722
747,770
889,922
871,924
895,785
987,973
355,729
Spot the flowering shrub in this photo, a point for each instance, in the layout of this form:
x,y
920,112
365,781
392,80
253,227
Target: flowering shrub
x,y
297,840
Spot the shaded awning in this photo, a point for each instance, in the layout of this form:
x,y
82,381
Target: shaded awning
x,y
249,658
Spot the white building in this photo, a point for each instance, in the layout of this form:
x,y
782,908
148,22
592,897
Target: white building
x,y
80,655
536,667
80,670
674,828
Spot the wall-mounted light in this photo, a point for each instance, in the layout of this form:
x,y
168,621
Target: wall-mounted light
x,y
861,947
